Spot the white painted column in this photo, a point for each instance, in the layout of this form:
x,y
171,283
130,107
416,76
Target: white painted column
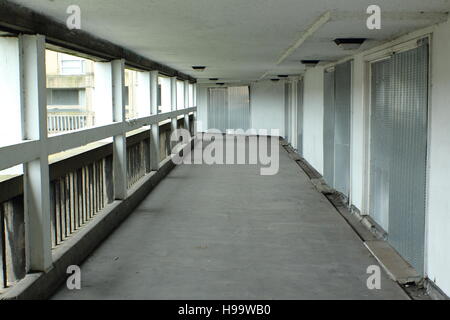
x,y
120,141
103,93
186,104
174,104
36,173
154,140
294,112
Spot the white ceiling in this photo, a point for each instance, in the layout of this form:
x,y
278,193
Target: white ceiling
x,y
238,39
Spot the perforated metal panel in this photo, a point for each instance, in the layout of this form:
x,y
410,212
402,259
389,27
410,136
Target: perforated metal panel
x,y
300,118
239,108
381,142
287,111
218,109
229,108
409,87
328,128
343,90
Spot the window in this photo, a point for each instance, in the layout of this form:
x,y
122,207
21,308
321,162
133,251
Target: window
x,y
74,94
71,65
63,97
131,94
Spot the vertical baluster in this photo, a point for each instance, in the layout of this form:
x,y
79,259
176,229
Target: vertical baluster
x,y
53,215
85,202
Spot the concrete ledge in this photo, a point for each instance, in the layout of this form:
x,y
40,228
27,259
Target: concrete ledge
x,y
434,291
394,265
78,248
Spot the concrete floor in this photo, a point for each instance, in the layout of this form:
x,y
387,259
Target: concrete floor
x,y
225,232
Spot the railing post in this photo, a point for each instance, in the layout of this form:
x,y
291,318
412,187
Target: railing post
x,y
154,139
294,106
186,104
174,104
36,172
120,141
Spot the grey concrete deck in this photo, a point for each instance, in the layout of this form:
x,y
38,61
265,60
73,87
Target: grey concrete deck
x,y
225,232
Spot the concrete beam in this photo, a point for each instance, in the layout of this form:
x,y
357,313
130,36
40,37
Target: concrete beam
x,y
18,19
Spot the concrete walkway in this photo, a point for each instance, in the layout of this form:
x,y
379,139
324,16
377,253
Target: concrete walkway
x,y
225,232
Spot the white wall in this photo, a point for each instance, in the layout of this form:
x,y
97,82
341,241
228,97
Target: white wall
x,y
438,256
438,200
267,105
313,117
10,109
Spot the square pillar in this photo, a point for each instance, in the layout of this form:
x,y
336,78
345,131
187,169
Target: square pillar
x,y
36,172
294,113
119,141
174,104
154,138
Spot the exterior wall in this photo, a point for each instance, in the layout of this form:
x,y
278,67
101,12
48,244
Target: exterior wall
x,y
313,117
438,253
438,203
267,105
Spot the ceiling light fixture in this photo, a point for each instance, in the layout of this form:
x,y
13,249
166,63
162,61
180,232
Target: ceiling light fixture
x,y
220,83
310,63
213,79
199,68
350,43
283,76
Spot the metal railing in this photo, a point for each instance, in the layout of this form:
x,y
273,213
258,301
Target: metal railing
x,y
66,122
81,186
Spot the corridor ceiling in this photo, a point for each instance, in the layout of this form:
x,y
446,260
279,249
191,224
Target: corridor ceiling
x,y
240,40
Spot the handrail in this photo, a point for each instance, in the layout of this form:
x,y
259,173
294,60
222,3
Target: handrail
x,y
13,187
30,150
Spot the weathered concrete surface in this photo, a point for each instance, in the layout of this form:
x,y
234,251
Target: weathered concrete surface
x,y
395,266
225,232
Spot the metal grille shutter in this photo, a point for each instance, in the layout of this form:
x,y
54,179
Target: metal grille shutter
x,y
328,127
300,118
287,111
408,168
343,88
381,142
239,108
218,109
